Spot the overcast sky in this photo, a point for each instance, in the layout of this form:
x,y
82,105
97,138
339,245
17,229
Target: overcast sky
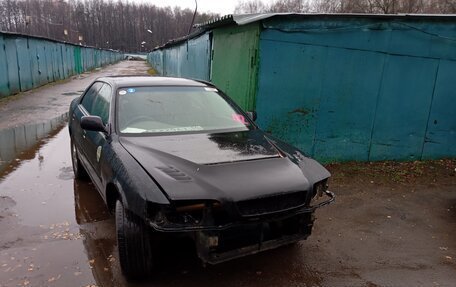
x,y
222,7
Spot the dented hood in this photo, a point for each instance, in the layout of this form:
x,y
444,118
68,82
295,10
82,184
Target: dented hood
x,y
232,166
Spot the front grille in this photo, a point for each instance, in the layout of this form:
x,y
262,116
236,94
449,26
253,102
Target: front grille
x,y
271,204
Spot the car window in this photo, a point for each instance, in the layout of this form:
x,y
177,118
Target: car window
x,y
102,103
176,110
89,97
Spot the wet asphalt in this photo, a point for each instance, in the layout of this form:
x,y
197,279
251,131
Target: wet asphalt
x,y
55,231
52,100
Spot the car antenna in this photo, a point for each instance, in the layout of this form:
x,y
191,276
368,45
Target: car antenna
x,y
193,19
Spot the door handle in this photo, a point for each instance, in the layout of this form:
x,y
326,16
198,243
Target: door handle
x,y
84,133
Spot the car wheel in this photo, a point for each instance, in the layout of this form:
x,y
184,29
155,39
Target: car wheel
x,y
78,169
135,244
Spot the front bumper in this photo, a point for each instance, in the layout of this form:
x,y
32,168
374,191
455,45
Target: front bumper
x,y
170,227
216,244
215,247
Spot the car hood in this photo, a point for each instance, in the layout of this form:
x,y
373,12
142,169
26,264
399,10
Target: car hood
x,y
227,166
207,148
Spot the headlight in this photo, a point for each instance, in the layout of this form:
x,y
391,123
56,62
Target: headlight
x,y
191,212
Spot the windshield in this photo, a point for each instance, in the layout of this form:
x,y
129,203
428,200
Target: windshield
x,y
176,110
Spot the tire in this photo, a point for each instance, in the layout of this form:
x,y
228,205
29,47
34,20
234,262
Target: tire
x,y
78,169
135,245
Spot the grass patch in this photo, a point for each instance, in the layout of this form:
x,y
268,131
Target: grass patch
x,y
152,72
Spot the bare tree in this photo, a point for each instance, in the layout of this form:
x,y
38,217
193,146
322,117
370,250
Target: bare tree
x,y
350,6
101,23
282,6
247,7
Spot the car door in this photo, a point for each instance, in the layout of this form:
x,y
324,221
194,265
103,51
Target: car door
x,y
83,109
96,142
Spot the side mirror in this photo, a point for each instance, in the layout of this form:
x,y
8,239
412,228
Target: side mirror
x,y
252,115
92,123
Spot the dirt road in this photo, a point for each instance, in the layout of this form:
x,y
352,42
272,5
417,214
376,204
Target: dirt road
x,y
391,225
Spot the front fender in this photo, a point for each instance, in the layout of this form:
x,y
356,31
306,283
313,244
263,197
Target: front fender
x,y
134,185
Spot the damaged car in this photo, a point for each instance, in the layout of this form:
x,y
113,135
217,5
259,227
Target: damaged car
x,y
177,157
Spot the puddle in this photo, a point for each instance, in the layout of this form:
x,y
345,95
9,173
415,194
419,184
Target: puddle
x,y
20,142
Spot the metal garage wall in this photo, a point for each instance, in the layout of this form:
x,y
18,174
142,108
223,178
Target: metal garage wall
x,y
235,62
24,61
171,58
12,79
441,127
188,59
360,89
198,55
4,87
29,62
155,58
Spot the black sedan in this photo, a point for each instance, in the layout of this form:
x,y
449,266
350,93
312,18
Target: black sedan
x,y
177,157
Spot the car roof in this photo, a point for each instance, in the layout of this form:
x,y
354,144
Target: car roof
x,y
149,81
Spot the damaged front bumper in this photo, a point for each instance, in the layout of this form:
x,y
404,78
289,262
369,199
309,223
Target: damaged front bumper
x,y
220,243
215,247
172,227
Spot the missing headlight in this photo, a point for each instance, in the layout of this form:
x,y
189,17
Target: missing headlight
x,y
320,188
191,212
